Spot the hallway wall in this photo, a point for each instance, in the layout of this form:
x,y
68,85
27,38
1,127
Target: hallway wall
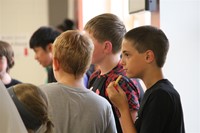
x,y
182,26
18,20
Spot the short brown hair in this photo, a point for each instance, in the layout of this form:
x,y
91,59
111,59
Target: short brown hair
x,y
145,38
107,27
73,49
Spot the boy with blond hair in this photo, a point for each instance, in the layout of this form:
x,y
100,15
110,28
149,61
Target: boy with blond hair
x,y
73,108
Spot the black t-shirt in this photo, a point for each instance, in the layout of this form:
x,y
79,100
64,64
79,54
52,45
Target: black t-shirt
x,y
160,110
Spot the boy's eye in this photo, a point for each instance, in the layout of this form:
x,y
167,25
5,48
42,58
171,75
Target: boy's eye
x,y
125,54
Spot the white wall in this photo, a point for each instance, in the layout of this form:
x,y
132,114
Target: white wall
x,y
98,7
117,7
18,20
180,20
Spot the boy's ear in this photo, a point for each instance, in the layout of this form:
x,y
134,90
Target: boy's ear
x,y
108,47
56,64
49,47
149,56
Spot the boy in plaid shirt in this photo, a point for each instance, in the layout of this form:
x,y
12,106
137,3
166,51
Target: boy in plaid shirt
x,y
106,31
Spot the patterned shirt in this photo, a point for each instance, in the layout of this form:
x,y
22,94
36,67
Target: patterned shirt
x,y
98,83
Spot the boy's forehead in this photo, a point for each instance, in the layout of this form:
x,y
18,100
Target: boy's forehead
x,y
38,48
127,45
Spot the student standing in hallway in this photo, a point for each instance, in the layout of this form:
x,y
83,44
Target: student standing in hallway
x,y
6,63
106,31
144,51
69,24
41,42
73,108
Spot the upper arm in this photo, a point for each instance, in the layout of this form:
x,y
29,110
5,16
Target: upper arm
x,y
134,115
132,93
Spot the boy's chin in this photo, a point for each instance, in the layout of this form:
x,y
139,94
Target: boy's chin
x,y
129,75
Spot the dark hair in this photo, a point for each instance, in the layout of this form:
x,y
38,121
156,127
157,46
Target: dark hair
x,y
145,38
43,36
67,24
107,27
7,51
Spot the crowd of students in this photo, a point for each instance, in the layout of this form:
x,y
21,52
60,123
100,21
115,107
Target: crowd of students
x,y
70,103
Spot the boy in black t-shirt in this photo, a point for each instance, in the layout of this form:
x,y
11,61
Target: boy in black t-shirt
x,y
144,51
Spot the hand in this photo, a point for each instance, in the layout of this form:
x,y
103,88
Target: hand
x,y
117,96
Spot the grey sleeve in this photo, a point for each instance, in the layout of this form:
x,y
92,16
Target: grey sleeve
x,y
111,126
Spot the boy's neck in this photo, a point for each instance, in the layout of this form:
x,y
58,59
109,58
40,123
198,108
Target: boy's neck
x,y
70,80
5,78
109,63
152,77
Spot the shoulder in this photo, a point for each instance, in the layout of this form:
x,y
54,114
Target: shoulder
x,y
166,87
12,83
97,100
163,90
50,87
16,81
96,97
93,77
95,74
127,84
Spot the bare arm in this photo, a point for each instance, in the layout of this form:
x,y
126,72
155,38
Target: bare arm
x,y
127,122
118,98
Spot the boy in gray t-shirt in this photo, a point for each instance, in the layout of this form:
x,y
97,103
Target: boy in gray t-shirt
x,y
73,108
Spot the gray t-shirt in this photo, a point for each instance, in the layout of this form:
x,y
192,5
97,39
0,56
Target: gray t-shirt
x,y
75,110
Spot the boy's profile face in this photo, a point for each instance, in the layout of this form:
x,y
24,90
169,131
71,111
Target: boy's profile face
x,y
44,57
133,62
98,55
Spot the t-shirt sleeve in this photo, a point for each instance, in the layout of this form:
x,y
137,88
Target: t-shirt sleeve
x,y
111,127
